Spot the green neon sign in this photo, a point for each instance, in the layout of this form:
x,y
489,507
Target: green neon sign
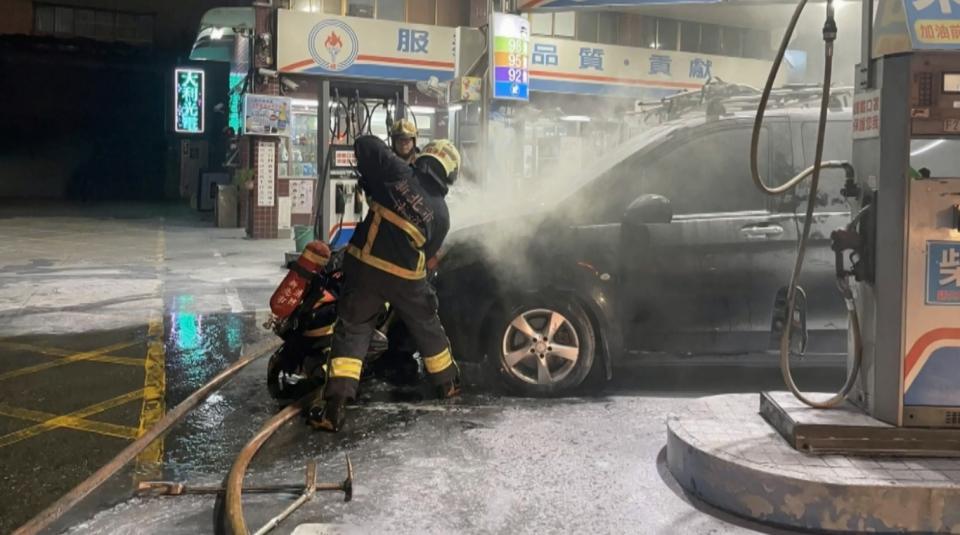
x,y
189,89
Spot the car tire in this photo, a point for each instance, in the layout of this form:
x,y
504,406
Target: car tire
x,y
543,346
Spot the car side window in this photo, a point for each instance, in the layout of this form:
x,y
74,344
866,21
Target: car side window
x,y
709,173
837,146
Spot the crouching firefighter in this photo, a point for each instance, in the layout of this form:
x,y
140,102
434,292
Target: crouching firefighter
x,y
386,263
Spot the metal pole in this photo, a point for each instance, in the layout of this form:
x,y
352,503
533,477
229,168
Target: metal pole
x,y
865,80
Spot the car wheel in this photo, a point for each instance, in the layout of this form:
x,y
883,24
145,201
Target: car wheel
x,y
544,347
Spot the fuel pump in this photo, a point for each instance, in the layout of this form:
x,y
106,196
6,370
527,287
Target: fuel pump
x,y
898,261
346,113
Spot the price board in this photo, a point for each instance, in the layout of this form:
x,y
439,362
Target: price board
x,y
511,57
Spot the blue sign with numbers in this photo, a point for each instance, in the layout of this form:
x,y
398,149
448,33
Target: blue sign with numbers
x,y
943,273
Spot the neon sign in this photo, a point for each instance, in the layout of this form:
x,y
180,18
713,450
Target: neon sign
x,y
189,90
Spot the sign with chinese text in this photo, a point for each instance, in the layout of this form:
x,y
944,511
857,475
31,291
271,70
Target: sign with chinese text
x,y
390,50
943,273
301,196
866,115
933,24
266,115
189,91
354,47
266,173
510,75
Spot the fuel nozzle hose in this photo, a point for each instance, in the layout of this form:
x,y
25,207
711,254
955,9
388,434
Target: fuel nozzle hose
x,y
829,36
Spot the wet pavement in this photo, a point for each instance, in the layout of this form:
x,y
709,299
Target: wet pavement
x,y
98,301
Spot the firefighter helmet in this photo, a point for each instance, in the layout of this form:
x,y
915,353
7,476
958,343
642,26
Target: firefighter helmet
x,y
404,129
445,152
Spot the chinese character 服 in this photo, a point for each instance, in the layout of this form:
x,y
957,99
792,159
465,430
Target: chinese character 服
x,y
545,54
591,58
950,267
413,41
660,64
945,6
700,68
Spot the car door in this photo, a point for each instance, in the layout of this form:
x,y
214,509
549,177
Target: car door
x,y
691,291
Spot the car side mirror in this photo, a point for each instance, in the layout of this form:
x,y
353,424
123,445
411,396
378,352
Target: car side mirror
x,y
798,329
647,209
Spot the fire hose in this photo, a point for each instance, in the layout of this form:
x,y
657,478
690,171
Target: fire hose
x,y
829,35
69,500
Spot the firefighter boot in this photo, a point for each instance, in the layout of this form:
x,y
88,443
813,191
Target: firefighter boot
x,y
328,415
450,389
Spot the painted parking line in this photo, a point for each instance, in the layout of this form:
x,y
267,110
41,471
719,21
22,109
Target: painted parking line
x,y
86,355
71,422
57,352
61,421
149,461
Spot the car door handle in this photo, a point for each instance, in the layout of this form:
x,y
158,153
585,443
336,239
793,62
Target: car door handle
x,y
761,231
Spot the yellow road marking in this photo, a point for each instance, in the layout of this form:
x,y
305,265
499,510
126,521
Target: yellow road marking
x,y
86,355
57,352
100,428
150,460
61,421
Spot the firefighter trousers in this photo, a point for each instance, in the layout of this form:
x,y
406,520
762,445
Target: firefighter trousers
x,y
365,290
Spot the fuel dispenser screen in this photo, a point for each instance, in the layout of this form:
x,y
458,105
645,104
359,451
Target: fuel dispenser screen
x,y
951,82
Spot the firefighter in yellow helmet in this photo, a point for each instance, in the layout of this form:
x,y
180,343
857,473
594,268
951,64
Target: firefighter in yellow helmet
x,y
386,263
403,140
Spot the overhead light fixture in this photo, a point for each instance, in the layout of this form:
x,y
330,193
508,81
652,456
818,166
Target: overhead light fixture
x,y
455,108
422,109
575,118
216,34
304,102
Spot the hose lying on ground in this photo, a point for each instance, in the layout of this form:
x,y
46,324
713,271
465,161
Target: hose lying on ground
x,y
69,500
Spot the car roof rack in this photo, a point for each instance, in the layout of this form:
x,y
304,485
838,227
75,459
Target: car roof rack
x,y
718,98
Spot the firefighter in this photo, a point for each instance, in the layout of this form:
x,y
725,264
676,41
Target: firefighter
x,y
386,263
403,140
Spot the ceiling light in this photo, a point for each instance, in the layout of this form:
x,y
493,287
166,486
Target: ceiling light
x,y
455,108
575,118
422,109
216,34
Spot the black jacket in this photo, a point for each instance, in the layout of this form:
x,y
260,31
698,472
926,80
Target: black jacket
x,y
408,218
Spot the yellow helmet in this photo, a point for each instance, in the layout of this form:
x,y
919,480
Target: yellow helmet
x,y
446,153
403,128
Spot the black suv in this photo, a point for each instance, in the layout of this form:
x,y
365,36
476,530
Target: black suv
x,y
666,247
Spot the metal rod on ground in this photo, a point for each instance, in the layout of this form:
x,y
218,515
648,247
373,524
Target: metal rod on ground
x,y
308,492
173,488
55,511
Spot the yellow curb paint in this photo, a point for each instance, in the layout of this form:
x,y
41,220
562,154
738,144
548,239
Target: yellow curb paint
x,y
149,462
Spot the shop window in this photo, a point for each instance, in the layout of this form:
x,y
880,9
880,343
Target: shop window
x,y
710,39
43,19
608,28
564,24
756,44
361,8
64,20
690,36
392,10
541,23
105,25
667,32
647,37
422,11
732,41
85,23
587,26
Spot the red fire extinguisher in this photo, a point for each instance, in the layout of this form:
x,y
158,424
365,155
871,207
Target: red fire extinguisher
x,y
288,295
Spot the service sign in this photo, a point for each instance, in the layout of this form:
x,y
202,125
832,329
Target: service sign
x,y
933,24
511,57
266,115
189,94
943,273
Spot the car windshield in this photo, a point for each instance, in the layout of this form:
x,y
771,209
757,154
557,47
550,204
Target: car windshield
x,y
471,206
